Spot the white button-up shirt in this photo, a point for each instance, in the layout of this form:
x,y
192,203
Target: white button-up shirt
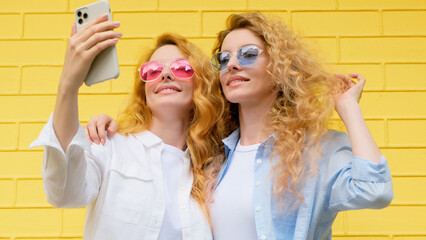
x,y
121,183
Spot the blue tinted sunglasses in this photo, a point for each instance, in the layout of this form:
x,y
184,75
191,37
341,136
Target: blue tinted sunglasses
x,y
246,55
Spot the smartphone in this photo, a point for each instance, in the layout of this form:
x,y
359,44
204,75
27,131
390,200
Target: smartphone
x,y
105,64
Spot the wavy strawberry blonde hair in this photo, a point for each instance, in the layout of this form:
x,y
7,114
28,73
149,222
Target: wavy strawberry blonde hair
x,y
303,107
205,133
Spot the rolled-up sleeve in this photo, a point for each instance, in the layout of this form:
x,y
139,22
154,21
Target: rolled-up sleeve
x,y
357,183
70,179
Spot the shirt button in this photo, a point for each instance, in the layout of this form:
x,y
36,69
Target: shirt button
x,y
259,161
182,206
257,183
263,237
181,188
186,232
257,209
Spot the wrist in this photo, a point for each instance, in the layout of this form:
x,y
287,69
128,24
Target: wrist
x,y
345,107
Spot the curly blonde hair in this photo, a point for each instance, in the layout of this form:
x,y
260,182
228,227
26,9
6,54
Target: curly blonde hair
x,y
300,114
206,127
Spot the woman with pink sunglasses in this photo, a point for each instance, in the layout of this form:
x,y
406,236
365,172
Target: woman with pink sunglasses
x,y
284,174
148,181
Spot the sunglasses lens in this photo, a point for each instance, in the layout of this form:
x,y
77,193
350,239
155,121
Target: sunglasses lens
x,y
220,60
182,69
151,71
248,55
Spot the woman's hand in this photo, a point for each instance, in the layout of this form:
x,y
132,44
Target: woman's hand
x,y
353,93
82,49
96,127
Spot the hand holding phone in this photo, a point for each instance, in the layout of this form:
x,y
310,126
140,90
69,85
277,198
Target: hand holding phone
x,y
94,31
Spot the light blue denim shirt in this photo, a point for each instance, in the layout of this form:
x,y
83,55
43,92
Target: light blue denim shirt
x,y
343,182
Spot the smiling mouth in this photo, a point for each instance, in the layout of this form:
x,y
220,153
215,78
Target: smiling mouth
x,y
168,91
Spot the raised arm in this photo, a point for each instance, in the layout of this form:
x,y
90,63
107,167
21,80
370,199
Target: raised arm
x,y
346,105
82,49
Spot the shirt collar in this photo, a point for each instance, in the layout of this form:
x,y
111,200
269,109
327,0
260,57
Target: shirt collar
x,y
148,138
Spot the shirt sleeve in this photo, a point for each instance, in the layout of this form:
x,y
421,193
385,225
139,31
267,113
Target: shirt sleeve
x,y
354,182
70,179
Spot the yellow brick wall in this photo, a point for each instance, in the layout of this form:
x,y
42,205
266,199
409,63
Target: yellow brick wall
x,y
385,40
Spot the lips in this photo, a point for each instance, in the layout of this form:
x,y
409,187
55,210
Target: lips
x,y
235,79
167,89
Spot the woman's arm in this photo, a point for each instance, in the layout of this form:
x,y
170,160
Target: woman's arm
x,y
82,49
346,105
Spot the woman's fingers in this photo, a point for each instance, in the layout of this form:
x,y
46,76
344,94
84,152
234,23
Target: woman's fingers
x,y
87,33
100,37
92,129
361,79
98,47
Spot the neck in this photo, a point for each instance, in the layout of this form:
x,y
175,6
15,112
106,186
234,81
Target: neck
x,y
171,129
252,122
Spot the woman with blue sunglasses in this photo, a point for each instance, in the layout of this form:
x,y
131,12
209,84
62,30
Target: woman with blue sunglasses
x,y
284,174
148,181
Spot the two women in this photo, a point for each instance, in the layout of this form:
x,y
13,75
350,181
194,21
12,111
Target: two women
x,y
148,181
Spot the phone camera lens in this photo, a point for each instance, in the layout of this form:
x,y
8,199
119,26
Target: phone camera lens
x,y
80,21
85,15
79,14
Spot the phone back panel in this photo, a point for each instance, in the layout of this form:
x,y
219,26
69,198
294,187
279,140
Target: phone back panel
x,y
105,65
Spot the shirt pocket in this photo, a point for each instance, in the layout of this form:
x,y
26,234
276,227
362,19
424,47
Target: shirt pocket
x,y
129,186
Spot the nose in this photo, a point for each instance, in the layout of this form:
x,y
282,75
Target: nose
x,y
166,73
233,63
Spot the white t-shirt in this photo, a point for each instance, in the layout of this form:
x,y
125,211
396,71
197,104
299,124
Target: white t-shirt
x,y
232,213
172,165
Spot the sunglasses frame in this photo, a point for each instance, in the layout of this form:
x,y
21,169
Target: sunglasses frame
x,y
164,66
231,54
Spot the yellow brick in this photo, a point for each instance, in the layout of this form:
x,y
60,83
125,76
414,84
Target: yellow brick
x,y
32,52
9,80
420,237
91,105
290,4
214,22
406,161
28,133
407,132
397,219
324,48
153,24
406,189
377,130
393,104
383,49
40,79
48,238
45,80
338,225
30,221
119,5
30,193
405,76
360,238
23,164
7,192
407,22
30,5
381,4
10,25
129,51
201,4
124,83
371,72
48,25
74,220
336,23
26,108
206,44
9,137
